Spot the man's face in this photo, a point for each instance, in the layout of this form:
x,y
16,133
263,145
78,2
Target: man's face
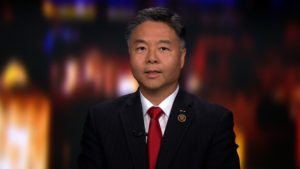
x,y
156,56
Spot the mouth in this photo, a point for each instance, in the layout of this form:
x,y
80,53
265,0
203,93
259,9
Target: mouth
x,y
152,73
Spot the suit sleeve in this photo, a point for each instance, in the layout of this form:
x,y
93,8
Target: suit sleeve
x,y
91,155
223,151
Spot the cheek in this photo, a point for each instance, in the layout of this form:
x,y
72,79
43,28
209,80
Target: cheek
x,y
173,64
135,64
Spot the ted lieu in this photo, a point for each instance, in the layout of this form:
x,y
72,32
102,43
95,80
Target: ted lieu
x,y
160,126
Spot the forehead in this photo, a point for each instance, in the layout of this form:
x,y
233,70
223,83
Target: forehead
x,y
153,30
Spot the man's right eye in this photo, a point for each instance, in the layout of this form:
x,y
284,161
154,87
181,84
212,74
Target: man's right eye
x,y
140,49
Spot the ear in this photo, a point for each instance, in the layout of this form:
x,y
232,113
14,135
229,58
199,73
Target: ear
x,y
182,57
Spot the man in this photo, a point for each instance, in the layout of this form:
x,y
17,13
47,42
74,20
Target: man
x,y
160,126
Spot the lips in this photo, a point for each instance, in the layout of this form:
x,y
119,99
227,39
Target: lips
x,y
152,73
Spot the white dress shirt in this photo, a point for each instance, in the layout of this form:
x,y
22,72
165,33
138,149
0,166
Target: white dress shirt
x,y
165,105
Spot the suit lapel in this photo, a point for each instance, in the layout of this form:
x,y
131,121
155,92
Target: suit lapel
x,y
178,123
133,123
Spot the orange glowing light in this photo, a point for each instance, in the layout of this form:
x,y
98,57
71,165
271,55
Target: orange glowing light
x,y
69,11
24,130
48,9
240,140
71,76
92,69
14,75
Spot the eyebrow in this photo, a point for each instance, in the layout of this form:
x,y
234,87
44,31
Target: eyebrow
x,y
160,41
139,41
165,41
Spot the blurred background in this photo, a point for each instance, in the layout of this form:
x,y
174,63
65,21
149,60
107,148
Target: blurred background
x,y
59,57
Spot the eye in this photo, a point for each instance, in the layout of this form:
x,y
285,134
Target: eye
x,y
164,49
140,49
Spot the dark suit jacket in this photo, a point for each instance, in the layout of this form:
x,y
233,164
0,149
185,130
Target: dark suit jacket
x,y
113,136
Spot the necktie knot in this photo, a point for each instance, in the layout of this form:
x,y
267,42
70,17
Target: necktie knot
x,y
155,112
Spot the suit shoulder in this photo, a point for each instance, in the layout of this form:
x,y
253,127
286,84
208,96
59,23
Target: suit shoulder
x,y
210,114
209,107
110,105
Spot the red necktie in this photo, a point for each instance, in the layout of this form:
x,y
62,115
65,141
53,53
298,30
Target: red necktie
x,y
154,135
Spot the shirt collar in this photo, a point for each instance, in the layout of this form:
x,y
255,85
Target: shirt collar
x,y
165,105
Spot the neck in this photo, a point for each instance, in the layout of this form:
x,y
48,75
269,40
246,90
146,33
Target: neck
x,y
156,96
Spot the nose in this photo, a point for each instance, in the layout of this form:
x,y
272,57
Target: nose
x,y
151,57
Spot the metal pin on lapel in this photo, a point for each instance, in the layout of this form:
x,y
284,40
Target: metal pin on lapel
x,y
181,117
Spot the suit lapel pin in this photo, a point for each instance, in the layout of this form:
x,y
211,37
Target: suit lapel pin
x,y
181,117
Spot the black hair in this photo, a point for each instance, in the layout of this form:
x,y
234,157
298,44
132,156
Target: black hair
x,y
158,14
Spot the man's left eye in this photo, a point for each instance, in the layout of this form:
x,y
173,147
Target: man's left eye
x,y
163,49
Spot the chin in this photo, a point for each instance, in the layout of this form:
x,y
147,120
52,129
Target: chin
x,y
151,87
